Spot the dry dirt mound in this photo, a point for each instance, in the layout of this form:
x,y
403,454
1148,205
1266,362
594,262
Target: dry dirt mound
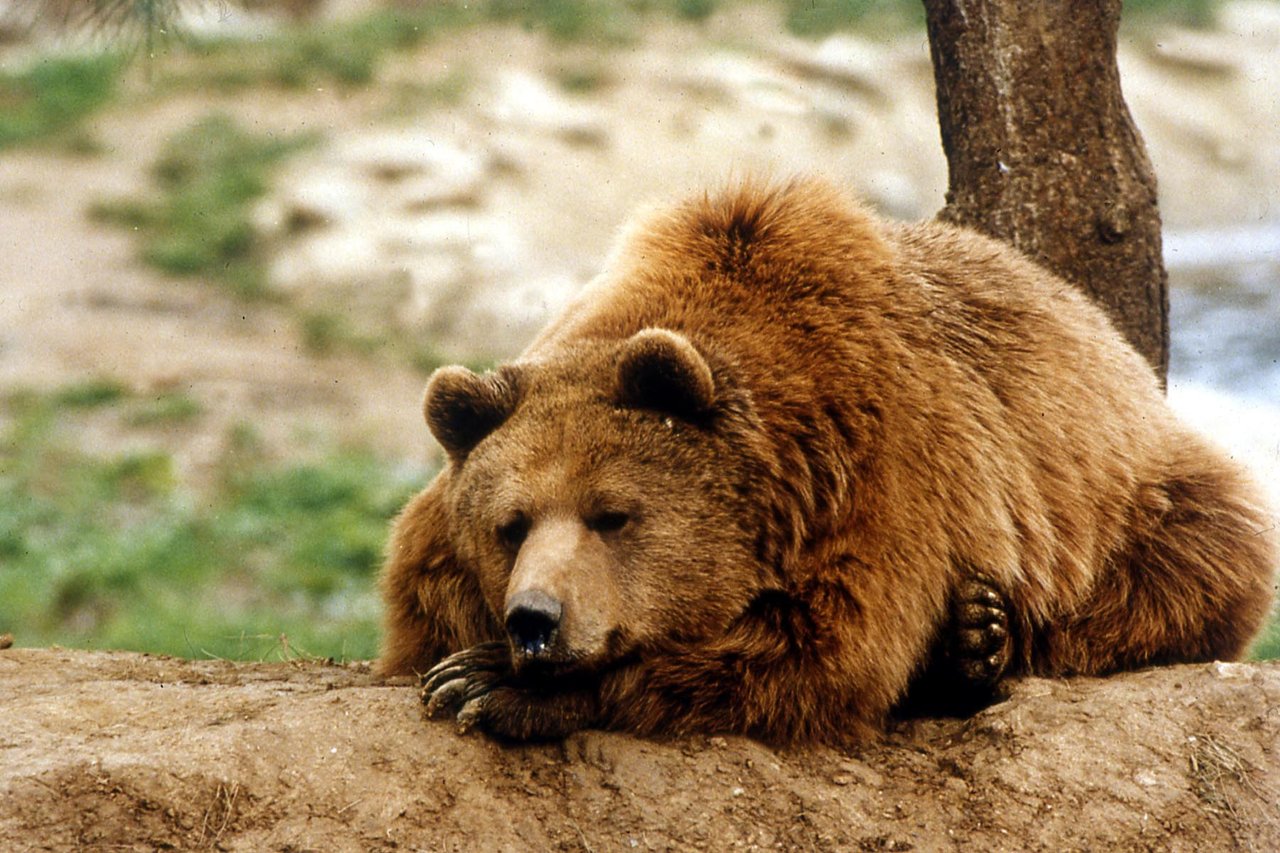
x,y
125,751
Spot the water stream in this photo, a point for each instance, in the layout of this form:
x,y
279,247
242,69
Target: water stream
x,y
1224,360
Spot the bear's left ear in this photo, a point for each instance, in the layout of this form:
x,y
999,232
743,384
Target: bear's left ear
x,y
660,370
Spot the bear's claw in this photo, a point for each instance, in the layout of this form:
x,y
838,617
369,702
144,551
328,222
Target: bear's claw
x,y
982,647
472,713
443,699
463,677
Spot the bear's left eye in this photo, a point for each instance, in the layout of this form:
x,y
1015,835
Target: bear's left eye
x,y
607,522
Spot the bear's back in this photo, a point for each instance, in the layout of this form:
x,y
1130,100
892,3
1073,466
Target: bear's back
x,y
871,349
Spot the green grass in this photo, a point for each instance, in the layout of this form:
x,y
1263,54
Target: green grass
x,y
113,552
1191,13
816,18
90,394
51,97
166,408
325,333
694,10
566,20
345,54
350,53
409,98
582,78
197,222
1268,645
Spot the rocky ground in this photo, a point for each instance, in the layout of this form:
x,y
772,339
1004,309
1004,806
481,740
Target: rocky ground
x,y
114,751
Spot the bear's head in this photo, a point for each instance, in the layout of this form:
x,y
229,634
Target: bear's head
x,y
600,498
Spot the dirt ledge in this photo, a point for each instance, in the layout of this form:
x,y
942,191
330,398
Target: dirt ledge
x,y
134,752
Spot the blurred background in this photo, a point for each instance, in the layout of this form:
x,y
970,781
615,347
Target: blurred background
x,y
237,235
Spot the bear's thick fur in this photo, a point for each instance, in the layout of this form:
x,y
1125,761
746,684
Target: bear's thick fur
x,y
737,485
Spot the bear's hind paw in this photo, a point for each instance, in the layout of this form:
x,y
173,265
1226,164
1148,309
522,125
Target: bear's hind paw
x,y
982,646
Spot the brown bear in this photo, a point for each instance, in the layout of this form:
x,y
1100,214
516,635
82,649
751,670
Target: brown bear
x,y
749,479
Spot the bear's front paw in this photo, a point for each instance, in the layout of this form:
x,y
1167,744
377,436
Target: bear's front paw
x,y
982,646
479,689
521,714
464,678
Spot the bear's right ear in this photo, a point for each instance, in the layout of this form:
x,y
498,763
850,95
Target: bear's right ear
x,y
660,370
462,407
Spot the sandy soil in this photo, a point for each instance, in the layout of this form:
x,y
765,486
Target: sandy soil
x,y
129,752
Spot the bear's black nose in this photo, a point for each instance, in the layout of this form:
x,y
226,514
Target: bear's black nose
x,y
532,620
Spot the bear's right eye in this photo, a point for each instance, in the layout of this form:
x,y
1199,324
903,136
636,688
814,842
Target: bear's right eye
x,y
512,533
608,522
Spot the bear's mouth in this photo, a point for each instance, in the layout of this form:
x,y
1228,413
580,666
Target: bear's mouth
x,y
556,663
545,666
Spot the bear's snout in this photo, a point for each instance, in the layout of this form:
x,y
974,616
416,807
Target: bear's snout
x,y
533,617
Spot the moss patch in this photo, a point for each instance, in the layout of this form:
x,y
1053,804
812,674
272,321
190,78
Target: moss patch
x,y
113,552
197,222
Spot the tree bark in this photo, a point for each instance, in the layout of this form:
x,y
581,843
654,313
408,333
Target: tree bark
x,y
1043,154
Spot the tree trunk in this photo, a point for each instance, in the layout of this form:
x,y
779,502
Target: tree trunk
x,y
1043,154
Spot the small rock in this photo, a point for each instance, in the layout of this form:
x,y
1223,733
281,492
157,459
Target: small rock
x,y
894,192
6,641
756,85
528,102
507,309
1145,778
1224,669
1256,20
450,232
439,170
860,772
325,197
330,257
844,58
